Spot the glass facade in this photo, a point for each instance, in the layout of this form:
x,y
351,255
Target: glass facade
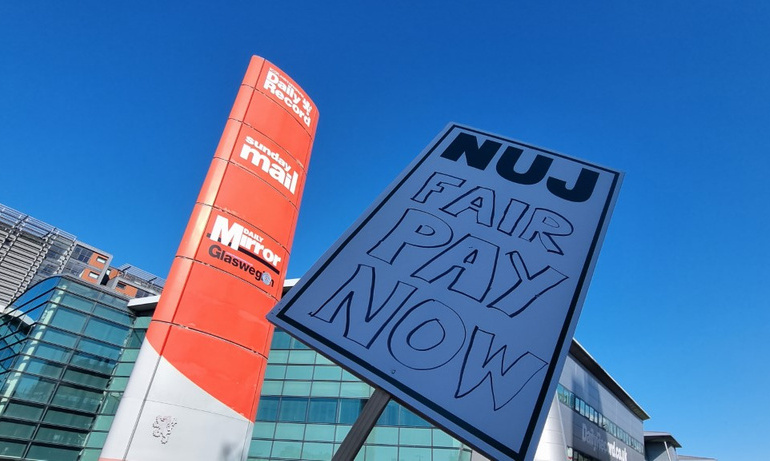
x,y
112,395
59,345
578,405
308,405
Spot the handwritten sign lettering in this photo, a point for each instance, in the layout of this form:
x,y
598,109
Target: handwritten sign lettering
x,y
458,291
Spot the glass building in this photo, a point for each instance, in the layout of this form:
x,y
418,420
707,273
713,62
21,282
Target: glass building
x,y
67,349
59,347
308,405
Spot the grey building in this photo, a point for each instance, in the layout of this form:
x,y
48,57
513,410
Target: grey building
x,y
31,250
661,446
592,417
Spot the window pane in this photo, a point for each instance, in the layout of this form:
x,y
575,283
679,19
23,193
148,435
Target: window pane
x,y
289,431
296,388
327,373
325,389
135,339
103,423
124,369
59,454
59,337
263,430
292,410
299,372
383,436
260,448
67,419
385,453
297,344
112,314
317,451
48,351
287,450
129,355
96,439
322,411
278,357
445,454
28,388
111,401
281,340
90,362
320,433
17,430
410,419
414,436
95,347
414,453
87,379
275,372
302,357
20,410
11,449
119,383
267,409
442,439
142,322
60,436
349,410
389,416
272,387
79,399
353,390
68,320
106,331
40,367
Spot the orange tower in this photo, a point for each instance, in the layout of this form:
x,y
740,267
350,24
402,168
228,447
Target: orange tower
x,y
194,391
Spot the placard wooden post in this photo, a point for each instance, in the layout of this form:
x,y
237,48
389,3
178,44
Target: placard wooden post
x,y
363,426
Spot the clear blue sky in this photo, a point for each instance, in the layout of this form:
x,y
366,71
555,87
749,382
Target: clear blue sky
x,y
110,113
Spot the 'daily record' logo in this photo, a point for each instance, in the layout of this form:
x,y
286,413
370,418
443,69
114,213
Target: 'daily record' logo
x,y
280,87
246,242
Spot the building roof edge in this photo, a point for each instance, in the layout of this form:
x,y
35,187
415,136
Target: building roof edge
x,y
584,358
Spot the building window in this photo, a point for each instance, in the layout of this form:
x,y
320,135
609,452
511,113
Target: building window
x,y
568,398
93,275
82,254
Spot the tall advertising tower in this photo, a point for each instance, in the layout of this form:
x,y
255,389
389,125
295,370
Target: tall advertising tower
x,y
194,391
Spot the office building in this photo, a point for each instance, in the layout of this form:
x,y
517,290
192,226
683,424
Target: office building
x,y
67,348
68,344
59,346
70,347
133,282
31,250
